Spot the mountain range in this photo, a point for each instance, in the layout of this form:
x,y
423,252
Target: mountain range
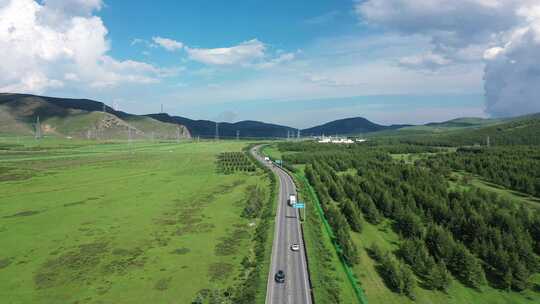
x,y
84,118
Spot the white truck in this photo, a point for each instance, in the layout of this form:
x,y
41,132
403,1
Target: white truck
x,y
267,158
292,200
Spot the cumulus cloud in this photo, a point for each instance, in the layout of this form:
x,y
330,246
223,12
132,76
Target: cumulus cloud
x,y
243,53
504,33
512,74
168,44
252,53
57,42
74,7
449,23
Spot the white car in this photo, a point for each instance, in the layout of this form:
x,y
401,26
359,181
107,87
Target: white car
x,y
295,247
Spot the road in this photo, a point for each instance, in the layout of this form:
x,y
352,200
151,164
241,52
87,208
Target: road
x,y
296,289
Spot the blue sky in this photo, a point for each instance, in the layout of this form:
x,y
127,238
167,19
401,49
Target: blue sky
x,y
298,63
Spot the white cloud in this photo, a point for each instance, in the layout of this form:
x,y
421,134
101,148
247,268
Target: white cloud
x,y
512,75
74,7
449,23
244,53
58,43
332,81
503,33
168,44
286,57
427,60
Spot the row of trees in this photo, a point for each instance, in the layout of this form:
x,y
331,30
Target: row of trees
x,y
336,218
230,162
396,274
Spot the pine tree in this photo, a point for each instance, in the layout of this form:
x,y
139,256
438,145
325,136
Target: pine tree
x,y
439,278
353,215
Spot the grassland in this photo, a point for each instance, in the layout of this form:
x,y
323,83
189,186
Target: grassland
x,y
119,223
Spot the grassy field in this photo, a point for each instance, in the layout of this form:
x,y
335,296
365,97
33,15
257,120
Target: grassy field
x,y
118,222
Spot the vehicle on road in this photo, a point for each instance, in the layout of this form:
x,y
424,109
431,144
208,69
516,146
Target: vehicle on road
x,y
292,200
280,276
295,247
267,158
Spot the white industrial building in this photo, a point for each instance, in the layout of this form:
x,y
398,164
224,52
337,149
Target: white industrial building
x,y
338,140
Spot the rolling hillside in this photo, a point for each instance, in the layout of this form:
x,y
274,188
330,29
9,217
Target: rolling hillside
x,y
246,129
80,118
348,126
523,130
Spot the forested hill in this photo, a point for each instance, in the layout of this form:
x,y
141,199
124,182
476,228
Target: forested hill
x,y
523,130
355,125
245,129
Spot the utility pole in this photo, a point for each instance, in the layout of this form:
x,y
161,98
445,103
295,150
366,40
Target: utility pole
x,y
161,109
177,134
38,129
298,135
288,134
104,108
237,134
488,141
217,131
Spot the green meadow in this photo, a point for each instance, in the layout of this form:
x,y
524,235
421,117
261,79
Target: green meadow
x,y
120,222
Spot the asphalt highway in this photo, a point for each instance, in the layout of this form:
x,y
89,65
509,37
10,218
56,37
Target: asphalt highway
x,y
296,289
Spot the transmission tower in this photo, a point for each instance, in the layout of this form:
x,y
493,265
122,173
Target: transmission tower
x,y
129,135
104,108
488,141
38,128
217,131
161,109
177,134
298,134
237,134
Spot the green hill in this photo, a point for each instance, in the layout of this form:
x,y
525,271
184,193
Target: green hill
x,y
523,130
79,118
